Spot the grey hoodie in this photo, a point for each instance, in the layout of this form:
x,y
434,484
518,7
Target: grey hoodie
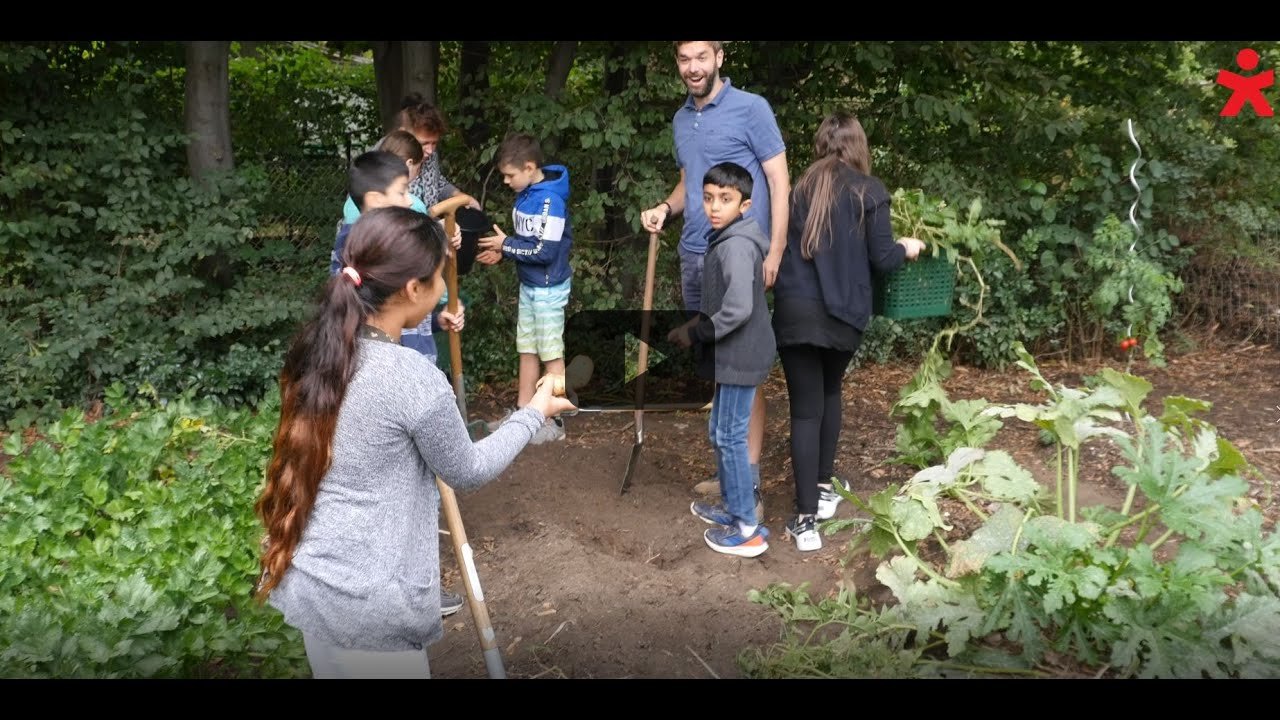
x,y
736,315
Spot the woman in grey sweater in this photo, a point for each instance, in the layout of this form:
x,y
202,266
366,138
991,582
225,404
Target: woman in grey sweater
x,y
350,505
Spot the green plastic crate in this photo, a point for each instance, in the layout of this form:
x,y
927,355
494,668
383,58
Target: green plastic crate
x,y
919,289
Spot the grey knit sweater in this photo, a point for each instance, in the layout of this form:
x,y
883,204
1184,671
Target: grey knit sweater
x,y
366,572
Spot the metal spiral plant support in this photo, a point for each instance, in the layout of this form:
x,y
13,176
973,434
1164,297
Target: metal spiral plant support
x,y
1133,220
1129,342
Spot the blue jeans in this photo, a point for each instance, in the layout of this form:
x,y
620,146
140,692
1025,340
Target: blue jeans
x,y
730,416
691,280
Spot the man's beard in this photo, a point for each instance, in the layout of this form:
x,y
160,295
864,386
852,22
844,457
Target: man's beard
x,y
710,81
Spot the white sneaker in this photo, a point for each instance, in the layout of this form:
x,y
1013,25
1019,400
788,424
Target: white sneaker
x,y
828,500
550,431
804,533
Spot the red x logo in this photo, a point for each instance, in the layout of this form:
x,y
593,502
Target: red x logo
x,y
1246,89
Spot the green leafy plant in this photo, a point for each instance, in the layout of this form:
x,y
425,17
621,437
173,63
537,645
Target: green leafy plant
x,y
1133,294
1183,580
914,214
923,403
1070,417
131,546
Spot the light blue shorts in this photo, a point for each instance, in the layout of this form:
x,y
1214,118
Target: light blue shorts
x,y
540,321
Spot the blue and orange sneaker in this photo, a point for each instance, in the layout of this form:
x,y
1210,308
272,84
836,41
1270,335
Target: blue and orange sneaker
x,y
730,540
716,513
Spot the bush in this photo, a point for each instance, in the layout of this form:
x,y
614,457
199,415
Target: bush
x,y
131,546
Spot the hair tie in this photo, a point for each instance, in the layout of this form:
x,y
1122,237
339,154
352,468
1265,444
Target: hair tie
x,y
351,273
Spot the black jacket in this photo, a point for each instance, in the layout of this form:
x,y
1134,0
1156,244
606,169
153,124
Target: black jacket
x,y
861,238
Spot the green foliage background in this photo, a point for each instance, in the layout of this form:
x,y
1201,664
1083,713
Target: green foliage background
x,y
130,543
114,267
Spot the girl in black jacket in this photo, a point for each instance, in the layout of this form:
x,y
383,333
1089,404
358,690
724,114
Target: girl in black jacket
x,y
839,229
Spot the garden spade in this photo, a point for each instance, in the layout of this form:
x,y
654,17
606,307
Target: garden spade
x,y
643,362
449,501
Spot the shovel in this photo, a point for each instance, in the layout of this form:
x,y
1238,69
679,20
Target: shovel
x,y
643,363
448,500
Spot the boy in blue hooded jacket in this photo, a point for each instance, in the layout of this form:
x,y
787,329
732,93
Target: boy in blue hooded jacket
x,y
540,248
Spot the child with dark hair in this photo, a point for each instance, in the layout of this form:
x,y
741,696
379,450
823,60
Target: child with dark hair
x,y
350,505
377,179
406,147
734,321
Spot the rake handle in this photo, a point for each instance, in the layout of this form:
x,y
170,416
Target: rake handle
x,y
448,499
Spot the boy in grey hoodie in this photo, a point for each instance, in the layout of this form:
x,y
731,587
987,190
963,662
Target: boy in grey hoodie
x,y
738,350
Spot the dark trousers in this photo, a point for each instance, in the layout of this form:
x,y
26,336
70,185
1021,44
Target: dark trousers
x,y
814,376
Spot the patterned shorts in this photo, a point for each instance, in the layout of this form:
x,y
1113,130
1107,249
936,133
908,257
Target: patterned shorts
x,y
540,321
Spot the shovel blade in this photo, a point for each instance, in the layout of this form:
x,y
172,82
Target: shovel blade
x,y
631,467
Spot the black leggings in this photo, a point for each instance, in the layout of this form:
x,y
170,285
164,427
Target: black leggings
x,y
814,376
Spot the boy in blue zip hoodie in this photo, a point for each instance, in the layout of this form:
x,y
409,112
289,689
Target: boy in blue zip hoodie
x,y
540,249
734,321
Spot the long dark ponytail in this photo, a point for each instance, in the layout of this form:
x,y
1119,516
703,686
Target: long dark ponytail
x,y
387,248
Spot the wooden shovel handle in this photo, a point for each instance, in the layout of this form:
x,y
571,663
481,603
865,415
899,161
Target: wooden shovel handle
x,y
448,209
645,322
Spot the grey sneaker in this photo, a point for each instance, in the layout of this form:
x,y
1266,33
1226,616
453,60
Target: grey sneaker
x,y
711,490
493,426
708,487
711,486
714,513
450,603
549,432
711,513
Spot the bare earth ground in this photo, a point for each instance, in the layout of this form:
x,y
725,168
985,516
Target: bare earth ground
x,y
581,581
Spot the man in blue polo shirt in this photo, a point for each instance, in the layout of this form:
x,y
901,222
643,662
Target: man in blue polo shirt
x,y
720,123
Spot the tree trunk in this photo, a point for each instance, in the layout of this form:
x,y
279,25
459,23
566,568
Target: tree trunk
x,y
558,67
473,85
421,69
400,68
388,72
208,108
615,82
252,48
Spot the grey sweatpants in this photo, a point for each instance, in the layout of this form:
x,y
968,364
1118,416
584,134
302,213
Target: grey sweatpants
x,y
332,662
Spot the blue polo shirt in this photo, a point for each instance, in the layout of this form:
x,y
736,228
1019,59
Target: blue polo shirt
x,y
738,127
